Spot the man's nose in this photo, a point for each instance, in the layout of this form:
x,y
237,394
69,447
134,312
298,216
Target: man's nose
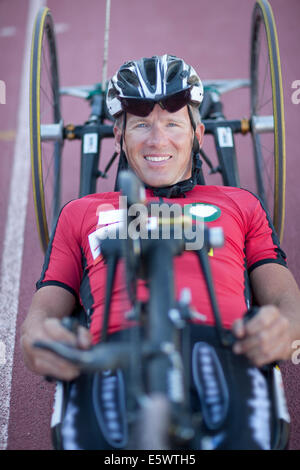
x,y
157,135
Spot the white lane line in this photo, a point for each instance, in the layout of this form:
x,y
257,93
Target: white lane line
x,y
12,253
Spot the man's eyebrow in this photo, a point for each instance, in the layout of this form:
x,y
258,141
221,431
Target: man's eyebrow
x,y
175,119
167,118
137,119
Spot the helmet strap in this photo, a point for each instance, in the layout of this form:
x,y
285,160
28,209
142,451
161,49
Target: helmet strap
x,y
123,163
197,162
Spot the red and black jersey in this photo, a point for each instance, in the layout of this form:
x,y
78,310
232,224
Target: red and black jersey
x,y
74,262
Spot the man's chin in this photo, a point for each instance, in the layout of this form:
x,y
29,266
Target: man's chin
x,y
159,182
156,185
162,182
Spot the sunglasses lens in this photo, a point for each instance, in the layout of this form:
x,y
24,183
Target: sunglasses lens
x,y
142,108
137,107
177,101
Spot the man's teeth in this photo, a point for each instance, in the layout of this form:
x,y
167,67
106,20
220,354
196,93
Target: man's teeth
x,y
157,159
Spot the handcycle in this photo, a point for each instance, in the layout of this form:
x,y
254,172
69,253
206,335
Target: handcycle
x,y
259,124
155,352
265,123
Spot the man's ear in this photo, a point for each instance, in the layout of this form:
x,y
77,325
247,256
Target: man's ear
x,y
200,133
118,136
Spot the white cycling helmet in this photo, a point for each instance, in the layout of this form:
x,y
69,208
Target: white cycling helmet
x,y
139,85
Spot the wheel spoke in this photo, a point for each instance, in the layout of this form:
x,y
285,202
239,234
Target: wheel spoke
x,y
266,74
45,63
47,97
269,100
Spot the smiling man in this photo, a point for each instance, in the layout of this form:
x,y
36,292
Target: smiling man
x,y
159,146
158,133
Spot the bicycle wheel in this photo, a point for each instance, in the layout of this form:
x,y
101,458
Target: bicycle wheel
x,y
267,113
46,128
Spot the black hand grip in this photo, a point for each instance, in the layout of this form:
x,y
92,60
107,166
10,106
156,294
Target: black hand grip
x,y
250,313
70,324
230,337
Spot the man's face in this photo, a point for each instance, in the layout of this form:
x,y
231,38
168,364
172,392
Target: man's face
x,y
158,147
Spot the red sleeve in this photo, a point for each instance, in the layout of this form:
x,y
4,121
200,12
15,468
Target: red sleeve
x,y
63,260
262,243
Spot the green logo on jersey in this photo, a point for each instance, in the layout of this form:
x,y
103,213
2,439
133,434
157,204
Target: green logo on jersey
x,y
202,211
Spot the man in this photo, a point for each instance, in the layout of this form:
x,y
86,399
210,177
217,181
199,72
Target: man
x,y
158,132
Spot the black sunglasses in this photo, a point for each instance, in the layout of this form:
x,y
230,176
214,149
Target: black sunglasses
x,y
143,106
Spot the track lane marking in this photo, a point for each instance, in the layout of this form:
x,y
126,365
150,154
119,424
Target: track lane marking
x,y
12,254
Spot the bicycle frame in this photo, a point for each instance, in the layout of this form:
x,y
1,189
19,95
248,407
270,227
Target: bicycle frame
x,y
161,343
91,134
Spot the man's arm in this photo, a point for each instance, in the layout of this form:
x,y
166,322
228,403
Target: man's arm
x,y
43,323
269,335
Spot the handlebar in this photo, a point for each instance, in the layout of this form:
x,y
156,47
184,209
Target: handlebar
x,y
99,357
117,355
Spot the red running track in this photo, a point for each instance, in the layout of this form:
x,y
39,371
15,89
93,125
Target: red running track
x,y
214,36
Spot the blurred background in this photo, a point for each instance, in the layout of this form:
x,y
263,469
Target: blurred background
x,y
213,36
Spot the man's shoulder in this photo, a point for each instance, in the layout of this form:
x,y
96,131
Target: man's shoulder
x,y
83,203
230,192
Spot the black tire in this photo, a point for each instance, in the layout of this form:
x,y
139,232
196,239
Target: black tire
x,y
45,110
267,101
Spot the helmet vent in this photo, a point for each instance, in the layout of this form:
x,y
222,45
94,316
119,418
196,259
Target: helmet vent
x,y
193,80
113,93
129,77
150,71
173,70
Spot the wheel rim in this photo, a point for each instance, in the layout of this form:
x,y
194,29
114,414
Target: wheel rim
x,y
45,111
266,103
